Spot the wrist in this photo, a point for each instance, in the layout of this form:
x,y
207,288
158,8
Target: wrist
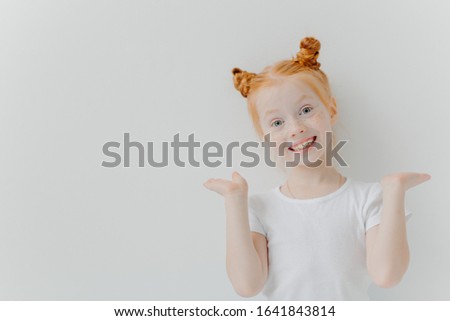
x,y
394,189
236,196
392,186
393,193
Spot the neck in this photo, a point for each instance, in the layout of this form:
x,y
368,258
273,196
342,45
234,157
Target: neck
x,y
302,176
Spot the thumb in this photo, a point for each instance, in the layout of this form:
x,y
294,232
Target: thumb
x,y
209,183
235,176
238,179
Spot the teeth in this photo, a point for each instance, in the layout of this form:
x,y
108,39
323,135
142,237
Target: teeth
x,y
303,145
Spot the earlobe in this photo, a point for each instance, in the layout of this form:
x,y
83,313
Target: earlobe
x,y
333,119
333,110
333,105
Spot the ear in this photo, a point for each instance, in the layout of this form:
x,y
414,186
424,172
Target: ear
x,y
333,110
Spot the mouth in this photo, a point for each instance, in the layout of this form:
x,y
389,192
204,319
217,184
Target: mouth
x,y
300,147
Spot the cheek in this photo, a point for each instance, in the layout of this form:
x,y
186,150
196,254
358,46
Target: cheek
x,y
275,137
320,122
321,125
277,140
265,129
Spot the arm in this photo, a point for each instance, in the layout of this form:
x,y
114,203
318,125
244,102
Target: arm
x,y
244,266
246,254
387,244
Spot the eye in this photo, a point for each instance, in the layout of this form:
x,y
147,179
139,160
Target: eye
x,y
307,110
276,123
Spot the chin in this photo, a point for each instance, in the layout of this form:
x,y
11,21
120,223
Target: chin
x,y
299,160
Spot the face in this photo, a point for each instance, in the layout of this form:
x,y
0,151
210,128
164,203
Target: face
x,y
294,115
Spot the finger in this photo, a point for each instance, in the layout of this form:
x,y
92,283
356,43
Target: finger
x,y
422,177
236,177
426,176
207,183
415,179
211,185
216,184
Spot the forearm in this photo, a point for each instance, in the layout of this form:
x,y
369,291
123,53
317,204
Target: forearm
x,y
390,253
243,263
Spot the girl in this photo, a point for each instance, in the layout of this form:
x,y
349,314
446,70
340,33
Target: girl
x,y
320,235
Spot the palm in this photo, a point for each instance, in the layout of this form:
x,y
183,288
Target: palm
x,y
237,186
404,180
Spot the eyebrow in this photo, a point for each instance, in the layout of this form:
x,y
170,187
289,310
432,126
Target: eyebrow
x,y
271,111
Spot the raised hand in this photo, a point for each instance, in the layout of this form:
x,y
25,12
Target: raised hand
x,y
404,181
236,187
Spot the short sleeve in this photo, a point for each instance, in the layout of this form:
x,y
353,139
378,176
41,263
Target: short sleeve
x,y
254,222
373,206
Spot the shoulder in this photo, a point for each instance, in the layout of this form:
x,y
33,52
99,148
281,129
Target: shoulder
x,y
364,185
261,198
264,200
369,197
363,194
365,189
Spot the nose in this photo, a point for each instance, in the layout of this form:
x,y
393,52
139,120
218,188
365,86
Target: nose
x,y
296,128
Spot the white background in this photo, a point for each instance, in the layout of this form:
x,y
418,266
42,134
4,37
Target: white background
x,y
77,74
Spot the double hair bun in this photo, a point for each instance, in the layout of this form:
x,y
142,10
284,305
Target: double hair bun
x,y
305,58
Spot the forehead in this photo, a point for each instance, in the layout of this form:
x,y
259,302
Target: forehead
x,y
285,93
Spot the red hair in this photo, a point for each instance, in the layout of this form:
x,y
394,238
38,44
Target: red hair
x,y
304,67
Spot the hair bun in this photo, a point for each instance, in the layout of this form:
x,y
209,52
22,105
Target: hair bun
x,y
241,80
309,52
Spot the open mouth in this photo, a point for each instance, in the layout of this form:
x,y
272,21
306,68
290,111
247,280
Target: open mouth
x,y
303,146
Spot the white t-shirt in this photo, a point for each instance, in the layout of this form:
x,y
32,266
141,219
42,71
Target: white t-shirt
x,y
317,248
